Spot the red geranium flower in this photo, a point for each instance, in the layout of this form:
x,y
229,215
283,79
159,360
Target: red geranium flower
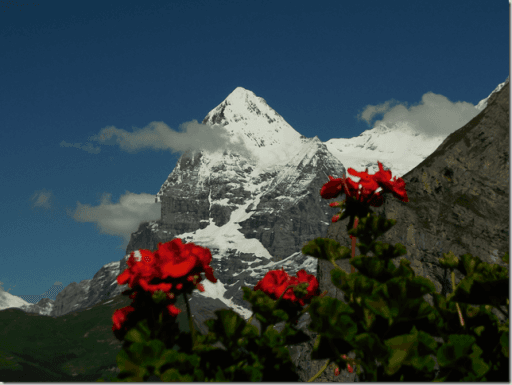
x,y
271,281
395,186
137,270
172,259
173,310
366,195
120,316
177,259
275,282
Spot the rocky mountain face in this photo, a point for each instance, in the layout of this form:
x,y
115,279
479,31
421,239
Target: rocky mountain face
x,y
103,285
43,307
458,201
252,218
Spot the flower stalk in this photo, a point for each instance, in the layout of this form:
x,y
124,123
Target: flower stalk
x,y
461,320
352,268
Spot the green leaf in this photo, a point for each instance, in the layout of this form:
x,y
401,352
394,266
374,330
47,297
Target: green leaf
x,y
292,336
449,260
458,347
327,249
505,345
177,366
140,333
129,363
332,318
228,327
405,357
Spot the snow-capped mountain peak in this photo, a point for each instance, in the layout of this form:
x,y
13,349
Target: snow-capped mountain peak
x,y
249,118
8,300
399,148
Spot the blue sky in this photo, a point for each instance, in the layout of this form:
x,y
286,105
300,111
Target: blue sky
x,y
71,71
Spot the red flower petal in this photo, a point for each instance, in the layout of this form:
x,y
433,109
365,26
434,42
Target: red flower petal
x,y
120,316
332,188
208,272
173,310
271,282
123,277
178,270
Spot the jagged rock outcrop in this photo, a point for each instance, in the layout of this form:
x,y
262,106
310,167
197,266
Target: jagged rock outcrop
x,y
146,237
291,207
458,201
78,296
43,307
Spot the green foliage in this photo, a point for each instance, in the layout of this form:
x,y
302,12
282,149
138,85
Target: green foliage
x,y
248,355
388,321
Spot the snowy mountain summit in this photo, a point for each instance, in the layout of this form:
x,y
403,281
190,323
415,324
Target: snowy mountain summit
x,y
269,137
8,300
399,148
254,210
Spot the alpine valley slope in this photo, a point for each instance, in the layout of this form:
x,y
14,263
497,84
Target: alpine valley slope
x,y
254,212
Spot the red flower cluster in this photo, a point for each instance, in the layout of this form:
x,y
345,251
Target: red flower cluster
x,y
370,183
173,266
172,259
275,282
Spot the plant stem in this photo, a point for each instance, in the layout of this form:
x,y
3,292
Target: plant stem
x,y
190,322
356,221
456,304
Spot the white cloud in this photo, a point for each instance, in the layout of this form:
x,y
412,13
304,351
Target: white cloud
x,y
370,111
119,219
43,199
87,147
434,116
158,136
